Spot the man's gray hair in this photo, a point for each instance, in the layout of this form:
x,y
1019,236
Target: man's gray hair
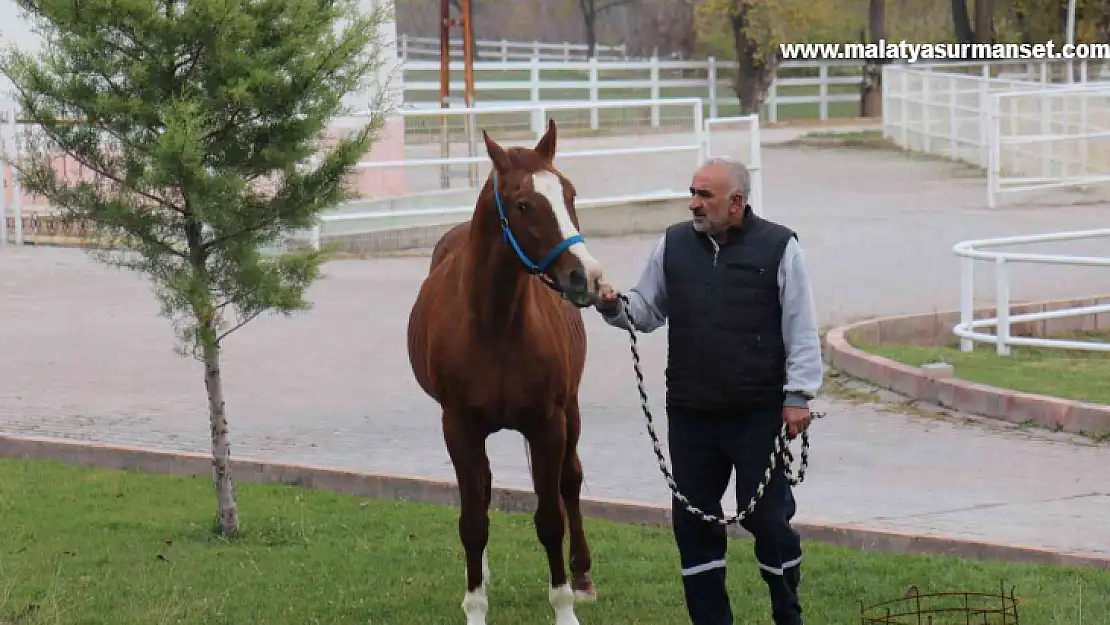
x,y
739,177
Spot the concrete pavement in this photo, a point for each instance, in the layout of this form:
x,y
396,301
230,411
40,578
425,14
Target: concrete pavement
x,y
84,355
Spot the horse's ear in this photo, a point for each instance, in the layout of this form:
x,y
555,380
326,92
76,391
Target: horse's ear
x,y
496,154
546,146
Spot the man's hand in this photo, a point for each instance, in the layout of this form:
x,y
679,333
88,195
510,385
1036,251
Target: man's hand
x,y
606,298
797,418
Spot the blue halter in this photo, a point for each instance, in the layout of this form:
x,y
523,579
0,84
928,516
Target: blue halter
x,y
540,267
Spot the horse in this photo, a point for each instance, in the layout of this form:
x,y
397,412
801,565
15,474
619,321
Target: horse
x,y
497,340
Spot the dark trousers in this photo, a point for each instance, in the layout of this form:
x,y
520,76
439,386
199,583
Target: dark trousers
x,y
705,448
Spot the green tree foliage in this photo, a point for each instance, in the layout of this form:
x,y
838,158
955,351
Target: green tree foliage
x,y
195,119
750,31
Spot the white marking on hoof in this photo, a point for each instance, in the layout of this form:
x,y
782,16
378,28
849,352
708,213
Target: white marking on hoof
x,y
562,599
476,606
581,596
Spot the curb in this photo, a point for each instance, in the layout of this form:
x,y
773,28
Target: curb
x,y
444,493
1075,417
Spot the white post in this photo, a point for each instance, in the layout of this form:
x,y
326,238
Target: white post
x,y
984,120
17,186
995,152
504,51
1084,154
823,90
541,115
886,99
756,158
1046,129
3,182
773,102
926,118
903,96
1002,306
534,97
967,300
655,91
314,238
952,149
712,76
700,132
594,95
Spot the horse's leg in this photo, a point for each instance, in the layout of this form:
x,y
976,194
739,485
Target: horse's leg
x,y
571,486
548,446
466,445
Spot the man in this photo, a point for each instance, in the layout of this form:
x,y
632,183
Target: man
x,y
743,357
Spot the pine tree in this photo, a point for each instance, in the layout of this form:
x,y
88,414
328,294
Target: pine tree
x,y
194,120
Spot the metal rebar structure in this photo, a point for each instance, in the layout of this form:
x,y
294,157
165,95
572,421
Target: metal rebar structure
x,y
944,608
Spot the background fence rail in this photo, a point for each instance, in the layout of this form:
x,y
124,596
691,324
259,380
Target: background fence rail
x,y
1029,125
427,48
802,89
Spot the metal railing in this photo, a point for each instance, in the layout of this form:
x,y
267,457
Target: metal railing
x,y
1003,321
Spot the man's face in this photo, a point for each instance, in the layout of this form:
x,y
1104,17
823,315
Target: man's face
x,y
710,202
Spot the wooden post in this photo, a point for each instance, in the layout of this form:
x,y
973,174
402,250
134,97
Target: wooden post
x,y
468,89
444,89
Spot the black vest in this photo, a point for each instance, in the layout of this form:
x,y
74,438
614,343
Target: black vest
x,y
725,345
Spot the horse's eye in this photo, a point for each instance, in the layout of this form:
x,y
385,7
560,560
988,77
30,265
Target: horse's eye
x,y
523,206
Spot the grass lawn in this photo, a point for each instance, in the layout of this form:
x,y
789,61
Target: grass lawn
x,y
83,546
1074,374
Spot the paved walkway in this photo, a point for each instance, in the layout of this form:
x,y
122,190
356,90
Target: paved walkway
x,y
85,356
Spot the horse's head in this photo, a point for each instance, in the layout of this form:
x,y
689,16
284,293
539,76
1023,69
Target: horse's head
x,y
535,205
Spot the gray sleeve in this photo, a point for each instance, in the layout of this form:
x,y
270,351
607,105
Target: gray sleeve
x,y
647,309
804,368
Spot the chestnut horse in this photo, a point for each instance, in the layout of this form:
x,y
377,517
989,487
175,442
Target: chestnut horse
x,y
492,340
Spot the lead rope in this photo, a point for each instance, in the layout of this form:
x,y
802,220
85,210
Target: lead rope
x,y
781,450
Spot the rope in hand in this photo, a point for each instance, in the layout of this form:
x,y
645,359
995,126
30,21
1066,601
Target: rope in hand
x,y
781,449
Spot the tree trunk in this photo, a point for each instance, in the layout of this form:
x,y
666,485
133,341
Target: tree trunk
x,y
755,71
1023,26
961,22
590,19
984,21
221,444
871,91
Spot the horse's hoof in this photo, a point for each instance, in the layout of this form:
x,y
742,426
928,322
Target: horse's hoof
x,y
584,591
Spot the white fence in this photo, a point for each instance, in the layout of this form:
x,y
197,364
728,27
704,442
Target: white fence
x,y
444,163
636,166
444,168
1003,321
427,48
1049,139
963,112
803,89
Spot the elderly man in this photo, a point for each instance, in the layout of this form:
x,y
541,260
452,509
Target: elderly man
x,y
743,358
